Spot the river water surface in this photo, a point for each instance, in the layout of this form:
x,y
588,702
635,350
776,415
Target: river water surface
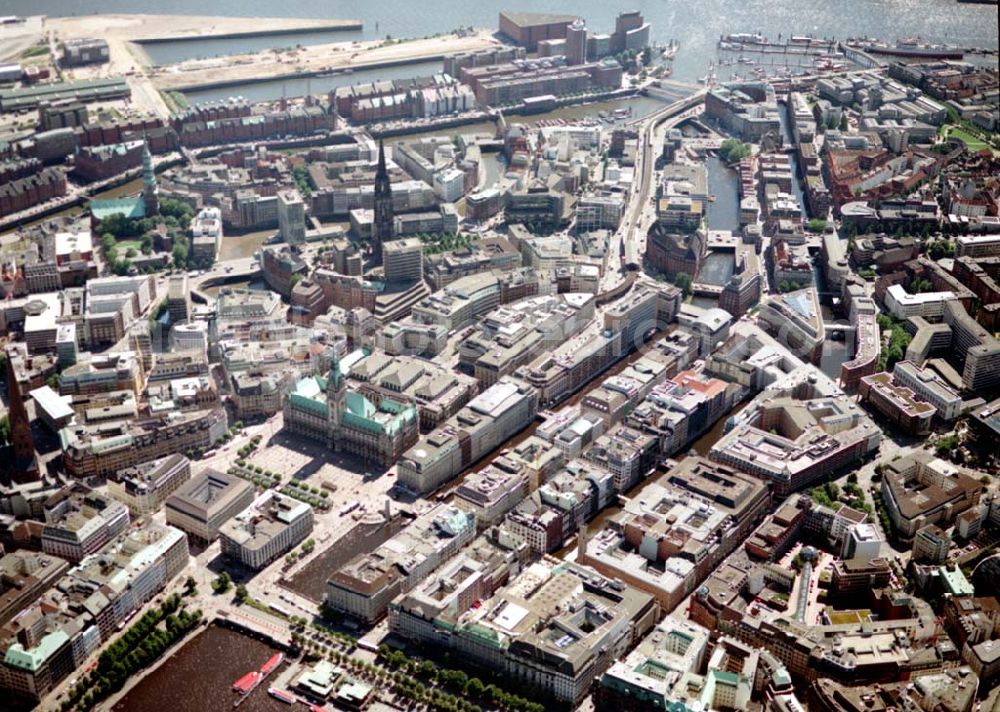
x,y
697,26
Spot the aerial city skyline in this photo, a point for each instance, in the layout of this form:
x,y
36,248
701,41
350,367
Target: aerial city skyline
x,y
432,357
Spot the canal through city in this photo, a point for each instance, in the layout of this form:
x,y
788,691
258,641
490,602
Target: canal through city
x,y
701,447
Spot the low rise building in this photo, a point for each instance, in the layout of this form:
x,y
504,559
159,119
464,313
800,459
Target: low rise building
x,y
898,403
265,530
683,526
920,489
202,505
478,428
795,442
78,523
554,628
144,488
59,631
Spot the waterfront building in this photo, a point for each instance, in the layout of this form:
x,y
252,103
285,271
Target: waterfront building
x,y
56,634
496,414
524,630
748,110
710,326
203,504
529,28
492,492
206,236
674,253
291,217
265,530
794,442
795,320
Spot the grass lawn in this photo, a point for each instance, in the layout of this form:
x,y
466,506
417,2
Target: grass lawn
x,y
36,51
846,617
123,245
974,143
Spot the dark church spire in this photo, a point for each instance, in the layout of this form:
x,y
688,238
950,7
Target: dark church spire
x,y
382,226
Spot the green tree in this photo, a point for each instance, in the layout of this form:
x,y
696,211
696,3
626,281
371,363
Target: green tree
x,y
223,583
733,150
683,282
180,255
241,593
177,209
5,429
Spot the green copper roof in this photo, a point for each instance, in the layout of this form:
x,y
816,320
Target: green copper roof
x,y
129,207
33,659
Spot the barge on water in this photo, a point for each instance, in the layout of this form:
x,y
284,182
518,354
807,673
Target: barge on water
x,y
286,697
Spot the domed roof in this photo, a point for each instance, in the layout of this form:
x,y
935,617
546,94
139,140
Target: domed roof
x,y
986,576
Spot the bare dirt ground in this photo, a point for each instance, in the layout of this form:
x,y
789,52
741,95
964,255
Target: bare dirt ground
x,y
316,58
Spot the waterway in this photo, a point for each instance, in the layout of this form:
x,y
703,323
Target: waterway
x,y
717,268
215,659
235,247
724,184
696,25
700,447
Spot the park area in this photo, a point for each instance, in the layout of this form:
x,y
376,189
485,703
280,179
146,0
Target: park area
x,y
972,142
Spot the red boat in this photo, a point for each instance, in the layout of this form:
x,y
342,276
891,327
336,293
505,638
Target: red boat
x,y
274,662
247,682
286,697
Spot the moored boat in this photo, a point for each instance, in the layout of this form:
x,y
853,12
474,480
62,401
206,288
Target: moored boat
x,y
286,697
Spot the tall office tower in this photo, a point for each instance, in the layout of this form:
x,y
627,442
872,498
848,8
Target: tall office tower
x,y
576,43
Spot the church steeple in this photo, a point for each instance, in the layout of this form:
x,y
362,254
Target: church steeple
x,y
382,226
25,462
150,191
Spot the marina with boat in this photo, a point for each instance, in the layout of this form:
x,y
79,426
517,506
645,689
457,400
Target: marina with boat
x,y
249,682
